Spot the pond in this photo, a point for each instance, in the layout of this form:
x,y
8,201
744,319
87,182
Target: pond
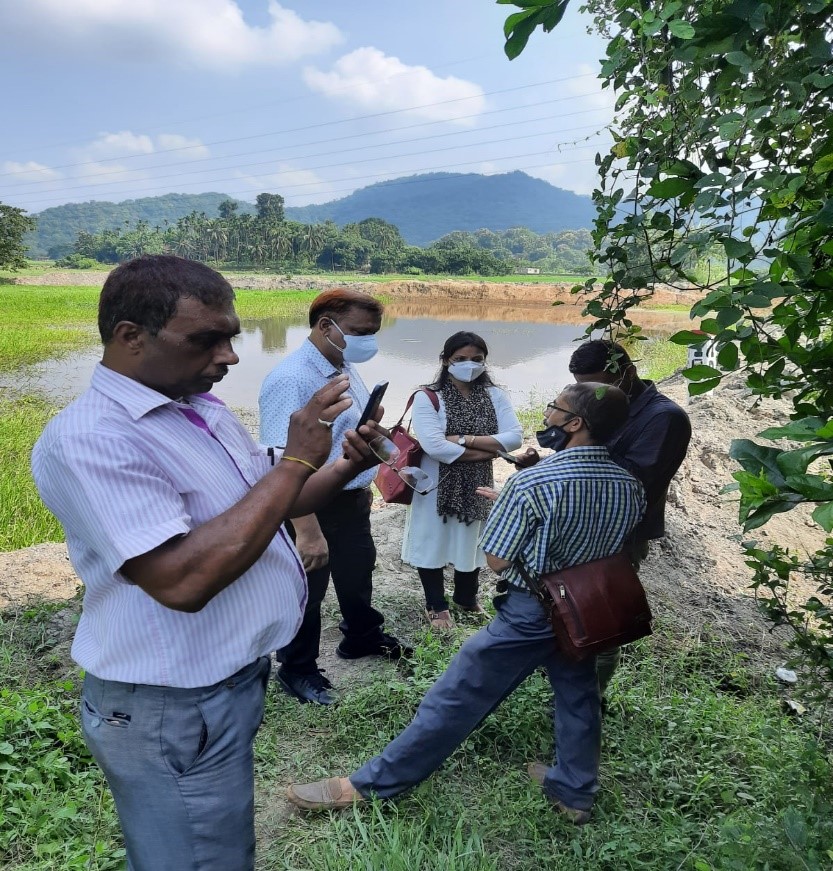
x,y
529,349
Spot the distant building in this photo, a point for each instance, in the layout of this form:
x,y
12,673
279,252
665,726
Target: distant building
x,y
529,270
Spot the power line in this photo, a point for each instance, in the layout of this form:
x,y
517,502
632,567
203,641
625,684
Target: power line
x,y
377,178
17,187
419,153
327,123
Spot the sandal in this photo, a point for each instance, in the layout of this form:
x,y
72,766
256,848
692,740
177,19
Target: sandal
x,y
476,608
441,620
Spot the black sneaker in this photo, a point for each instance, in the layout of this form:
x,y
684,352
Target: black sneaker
x,y
375,645
312,687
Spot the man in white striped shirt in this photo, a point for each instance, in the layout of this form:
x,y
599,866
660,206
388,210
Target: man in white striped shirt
x,y
174,522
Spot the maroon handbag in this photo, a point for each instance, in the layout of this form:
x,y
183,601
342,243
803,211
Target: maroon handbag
x,y
393,489
594,606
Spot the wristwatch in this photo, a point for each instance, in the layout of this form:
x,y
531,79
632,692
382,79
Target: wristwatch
x,y
462,440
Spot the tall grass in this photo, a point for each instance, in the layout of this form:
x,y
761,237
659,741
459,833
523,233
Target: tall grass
x,y
24,519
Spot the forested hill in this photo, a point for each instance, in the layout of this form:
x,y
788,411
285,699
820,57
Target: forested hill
x,y
426,207
59,226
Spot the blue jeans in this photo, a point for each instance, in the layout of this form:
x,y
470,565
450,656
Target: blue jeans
x,y
180,766
489,666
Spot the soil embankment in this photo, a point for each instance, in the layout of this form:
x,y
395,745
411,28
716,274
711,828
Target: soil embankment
x,y
511,293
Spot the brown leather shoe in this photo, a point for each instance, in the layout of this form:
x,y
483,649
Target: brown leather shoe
x,y
538,771
440,620
330,794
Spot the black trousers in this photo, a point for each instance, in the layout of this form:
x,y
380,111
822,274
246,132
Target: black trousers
x,y
345,524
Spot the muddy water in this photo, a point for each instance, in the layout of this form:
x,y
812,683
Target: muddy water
x,y
529,347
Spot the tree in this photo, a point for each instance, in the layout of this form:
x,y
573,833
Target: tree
x,y
227,209
14,224
723,140
270,207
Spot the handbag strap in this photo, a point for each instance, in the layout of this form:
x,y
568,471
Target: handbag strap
x,y
536,587
432,395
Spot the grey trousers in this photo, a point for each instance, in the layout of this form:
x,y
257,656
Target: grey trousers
x,y
487,669
180,766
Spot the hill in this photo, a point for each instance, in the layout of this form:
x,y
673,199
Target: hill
x,y
426,207
59,226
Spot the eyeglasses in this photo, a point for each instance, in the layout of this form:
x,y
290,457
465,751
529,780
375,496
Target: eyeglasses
x,y
412,476
551,406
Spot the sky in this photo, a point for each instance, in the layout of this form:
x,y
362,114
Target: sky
x,y
121,99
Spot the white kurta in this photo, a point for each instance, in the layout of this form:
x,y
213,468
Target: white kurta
x,y
427,542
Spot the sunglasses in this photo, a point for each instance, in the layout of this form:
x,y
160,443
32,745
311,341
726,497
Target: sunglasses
x,y
387,453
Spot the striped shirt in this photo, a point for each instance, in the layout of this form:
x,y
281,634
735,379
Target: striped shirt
x,y
574,506
124,470
290,386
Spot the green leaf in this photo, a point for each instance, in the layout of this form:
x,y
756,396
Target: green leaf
x,y
796,462
812,487
728,356
669,187
701,372
698,387
738,249
689,337
757,458
802,430
681,29
762,515
823,515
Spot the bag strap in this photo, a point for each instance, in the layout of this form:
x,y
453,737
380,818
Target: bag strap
x,y
535,586
432,395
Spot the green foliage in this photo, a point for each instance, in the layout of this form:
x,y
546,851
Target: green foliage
x,y
57,812
24,519
14,224
723,153
76,261
700,770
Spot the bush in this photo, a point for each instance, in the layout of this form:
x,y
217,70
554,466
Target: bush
x,y
76,261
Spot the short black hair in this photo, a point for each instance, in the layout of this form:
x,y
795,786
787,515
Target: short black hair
x,y
146,291
599,355
602,407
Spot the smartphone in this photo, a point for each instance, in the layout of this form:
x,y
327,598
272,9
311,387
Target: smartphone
x,y
508,457
373,403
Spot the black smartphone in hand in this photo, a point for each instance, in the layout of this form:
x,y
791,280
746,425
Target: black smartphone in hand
x,y
373,403
508,457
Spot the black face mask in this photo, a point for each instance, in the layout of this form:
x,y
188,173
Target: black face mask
x,y
553,437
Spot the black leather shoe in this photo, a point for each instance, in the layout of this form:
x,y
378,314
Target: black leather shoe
x,y
376,645
310,687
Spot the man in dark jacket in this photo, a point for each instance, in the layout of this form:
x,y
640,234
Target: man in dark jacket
x,y
651,446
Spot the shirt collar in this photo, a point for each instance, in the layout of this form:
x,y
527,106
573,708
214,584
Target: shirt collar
x,y
136,399
320,363
588,452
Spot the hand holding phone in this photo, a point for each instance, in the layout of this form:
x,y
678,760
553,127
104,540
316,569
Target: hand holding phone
x,y
373,403
510,458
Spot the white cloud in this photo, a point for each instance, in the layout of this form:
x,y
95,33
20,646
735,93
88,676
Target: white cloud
x,y
210,34
118,144
27,172
589,87
373,80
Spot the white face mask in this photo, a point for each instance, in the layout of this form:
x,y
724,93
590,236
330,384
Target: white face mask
x,y
357,349
466,370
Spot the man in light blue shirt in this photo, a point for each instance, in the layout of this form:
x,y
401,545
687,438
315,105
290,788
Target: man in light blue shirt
x,y
174,522
336,539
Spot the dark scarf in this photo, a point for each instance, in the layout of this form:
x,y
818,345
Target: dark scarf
x,y
466,415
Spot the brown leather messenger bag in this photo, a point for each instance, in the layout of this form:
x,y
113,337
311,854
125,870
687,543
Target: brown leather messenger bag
x,y
593,606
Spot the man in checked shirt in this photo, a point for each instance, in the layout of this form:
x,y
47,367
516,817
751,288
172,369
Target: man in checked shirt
x,y
574,506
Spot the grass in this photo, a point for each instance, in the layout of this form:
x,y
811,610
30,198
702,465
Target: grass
x,y
24,519
701,770
659,358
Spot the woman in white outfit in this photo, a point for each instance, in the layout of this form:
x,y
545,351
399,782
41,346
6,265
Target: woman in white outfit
x,y
474,420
